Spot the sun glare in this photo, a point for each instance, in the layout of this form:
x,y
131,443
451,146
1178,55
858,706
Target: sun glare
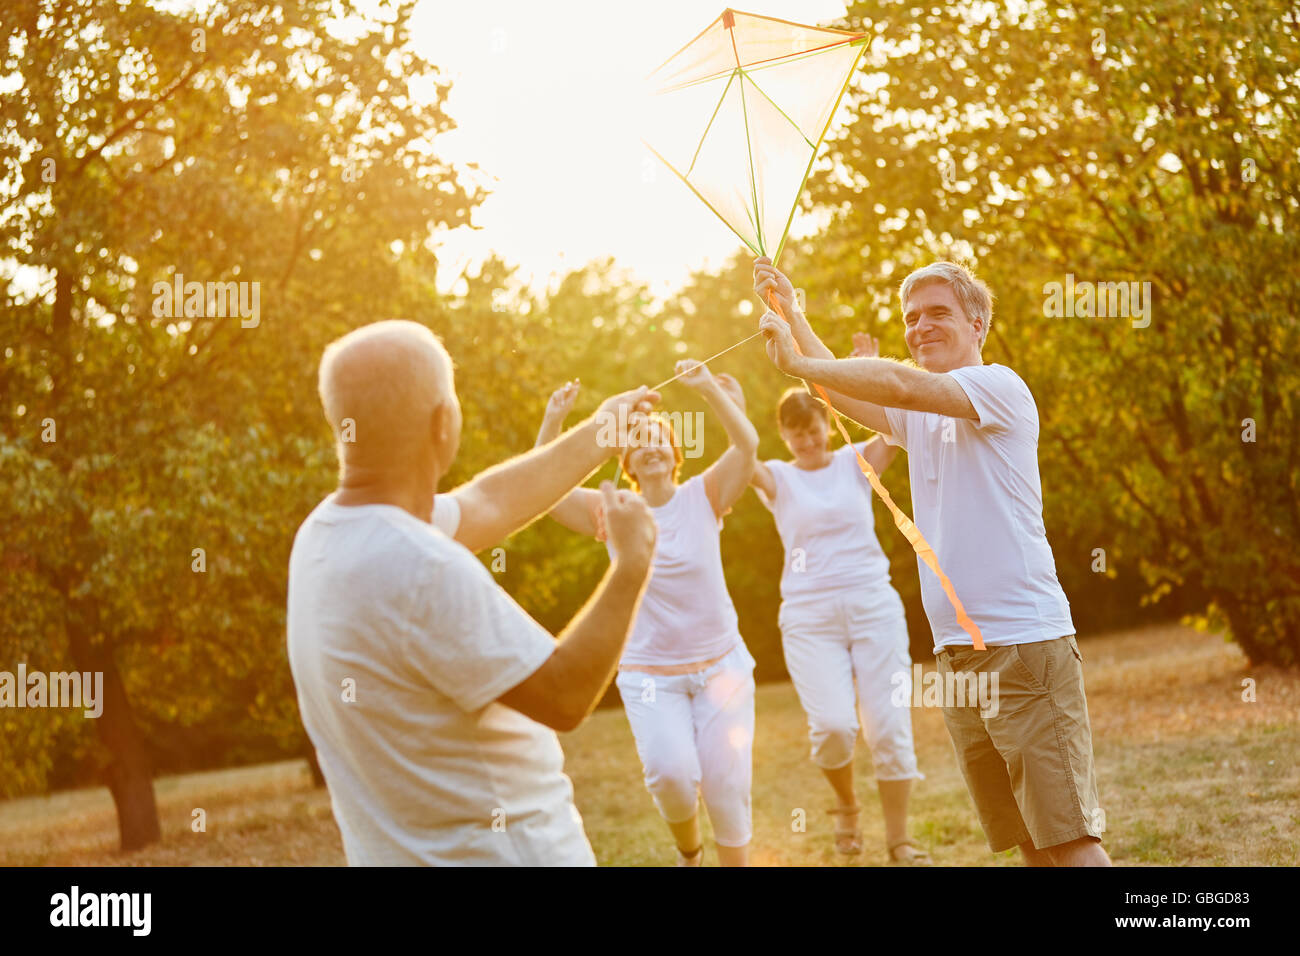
x,y
547,101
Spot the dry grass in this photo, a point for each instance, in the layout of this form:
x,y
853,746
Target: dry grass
x,y
1190,774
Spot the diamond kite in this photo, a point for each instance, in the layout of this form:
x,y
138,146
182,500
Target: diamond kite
x,y
739,112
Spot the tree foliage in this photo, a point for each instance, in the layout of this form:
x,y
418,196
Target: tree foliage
x,y
1108,144
248,142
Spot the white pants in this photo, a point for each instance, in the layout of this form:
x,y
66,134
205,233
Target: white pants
x,y
695,736
832,641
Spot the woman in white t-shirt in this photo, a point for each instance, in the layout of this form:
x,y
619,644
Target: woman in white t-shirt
x,y
686,677
842,623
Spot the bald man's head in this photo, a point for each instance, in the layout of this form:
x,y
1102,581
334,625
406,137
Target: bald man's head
x,y
389,395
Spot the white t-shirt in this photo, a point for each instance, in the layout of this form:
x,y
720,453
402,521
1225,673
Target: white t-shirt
x,y
826,525
686,614
446,514
978,500
423,766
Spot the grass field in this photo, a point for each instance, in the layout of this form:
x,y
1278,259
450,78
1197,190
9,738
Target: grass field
x,y
1189,774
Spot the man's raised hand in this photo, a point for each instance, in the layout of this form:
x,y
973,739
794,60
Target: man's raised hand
x,y
621,415
779,340
769,279
623,405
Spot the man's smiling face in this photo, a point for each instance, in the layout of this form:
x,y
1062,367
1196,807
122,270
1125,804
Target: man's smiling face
x,y
939,334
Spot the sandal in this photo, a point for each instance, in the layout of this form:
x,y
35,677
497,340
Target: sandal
x,y
917,857
691,859
848,838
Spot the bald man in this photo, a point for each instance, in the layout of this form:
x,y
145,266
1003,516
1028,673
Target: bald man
x,y
431,697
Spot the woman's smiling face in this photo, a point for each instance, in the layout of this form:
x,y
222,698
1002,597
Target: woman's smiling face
x,y
807,442
653,454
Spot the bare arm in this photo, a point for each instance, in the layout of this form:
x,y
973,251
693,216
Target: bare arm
x,y
498,502
568,686
874,380
868,413
762,480
884,382
770,281
565,689
576,510
726,479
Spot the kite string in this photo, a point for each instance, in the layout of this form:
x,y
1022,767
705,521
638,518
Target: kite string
x,y
688,371
618,470
904,524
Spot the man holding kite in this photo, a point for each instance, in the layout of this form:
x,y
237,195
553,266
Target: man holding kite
x,y
971,434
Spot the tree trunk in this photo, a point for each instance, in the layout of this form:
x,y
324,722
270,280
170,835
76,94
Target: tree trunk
x,y
130,775
1247,629
313,765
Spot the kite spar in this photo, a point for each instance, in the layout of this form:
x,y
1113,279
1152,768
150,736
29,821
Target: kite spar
x,y
738,115
748,81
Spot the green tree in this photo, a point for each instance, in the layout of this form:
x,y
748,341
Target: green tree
x,y
250,142
1152,145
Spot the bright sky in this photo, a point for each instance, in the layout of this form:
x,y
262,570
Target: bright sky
x,y
544,94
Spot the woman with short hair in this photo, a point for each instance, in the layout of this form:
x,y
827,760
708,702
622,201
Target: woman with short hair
x,y
842,623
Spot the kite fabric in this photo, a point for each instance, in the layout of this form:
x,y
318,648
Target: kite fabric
x,y
739,112
738,115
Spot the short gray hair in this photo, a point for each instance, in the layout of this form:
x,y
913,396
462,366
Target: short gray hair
x,y
386,378
975,298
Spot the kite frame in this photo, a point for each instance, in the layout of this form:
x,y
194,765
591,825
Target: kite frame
x,y
850,38
847,34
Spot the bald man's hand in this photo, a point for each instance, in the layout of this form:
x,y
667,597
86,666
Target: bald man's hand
x,y
623,411
509,496
569,684
630,527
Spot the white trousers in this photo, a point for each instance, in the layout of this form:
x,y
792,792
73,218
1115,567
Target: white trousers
x,y
833,641
695,736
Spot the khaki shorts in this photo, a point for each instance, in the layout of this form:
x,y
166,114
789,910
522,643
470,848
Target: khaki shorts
x,y
1029,765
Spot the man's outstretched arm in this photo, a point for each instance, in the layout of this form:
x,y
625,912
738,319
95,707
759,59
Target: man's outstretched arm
x,y
891,384
770,283
568,686
506,497
879,382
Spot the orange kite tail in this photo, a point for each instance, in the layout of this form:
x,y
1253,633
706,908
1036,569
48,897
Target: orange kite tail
x,y
905,524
